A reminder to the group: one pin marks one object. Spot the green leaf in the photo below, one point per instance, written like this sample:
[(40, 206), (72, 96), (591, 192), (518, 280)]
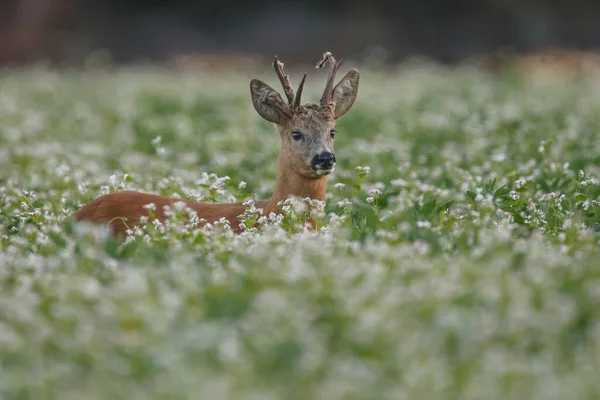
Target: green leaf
[(428, 207), (502, 191)]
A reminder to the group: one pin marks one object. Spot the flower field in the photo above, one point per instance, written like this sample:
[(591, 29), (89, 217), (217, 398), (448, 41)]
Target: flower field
[(460, 256)]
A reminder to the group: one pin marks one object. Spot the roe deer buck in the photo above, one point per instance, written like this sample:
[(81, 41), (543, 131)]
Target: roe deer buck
[(307, 134)]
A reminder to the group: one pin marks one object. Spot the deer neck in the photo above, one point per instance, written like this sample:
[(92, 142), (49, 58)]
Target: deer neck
[(289, 183)]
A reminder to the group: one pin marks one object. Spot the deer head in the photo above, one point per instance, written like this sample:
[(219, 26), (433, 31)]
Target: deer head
[(307, 130)]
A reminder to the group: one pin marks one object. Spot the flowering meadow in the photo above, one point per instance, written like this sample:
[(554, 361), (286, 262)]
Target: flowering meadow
[(459, 259)]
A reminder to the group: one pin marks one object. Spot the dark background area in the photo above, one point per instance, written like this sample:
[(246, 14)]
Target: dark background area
[(449, 31)]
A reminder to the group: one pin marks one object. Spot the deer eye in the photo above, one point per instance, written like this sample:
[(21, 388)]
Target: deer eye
[(296, 135), (332, 133)]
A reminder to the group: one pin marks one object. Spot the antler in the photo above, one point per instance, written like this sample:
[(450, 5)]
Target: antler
[(293, 100), (299, 93), (328, 92), (284, 79)]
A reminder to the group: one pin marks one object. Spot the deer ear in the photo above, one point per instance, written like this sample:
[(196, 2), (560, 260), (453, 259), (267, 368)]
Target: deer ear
[(344, 93), (267, 102)]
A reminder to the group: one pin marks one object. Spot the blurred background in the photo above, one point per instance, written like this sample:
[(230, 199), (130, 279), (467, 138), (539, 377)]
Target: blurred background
[(449, 31)]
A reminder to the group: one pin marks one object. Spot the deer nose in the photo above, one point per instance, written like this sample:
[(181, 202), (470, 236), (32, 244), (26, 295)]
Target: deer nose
[(325, 160)]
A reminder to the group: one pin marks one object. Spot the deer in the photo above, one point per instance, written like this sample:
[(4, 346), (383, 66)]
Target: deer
[(306, 159)]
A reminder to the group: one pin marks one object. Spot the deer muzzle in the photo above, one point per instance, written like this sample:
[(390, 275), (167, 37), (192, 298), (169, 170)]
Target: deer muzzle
[(323, 163)]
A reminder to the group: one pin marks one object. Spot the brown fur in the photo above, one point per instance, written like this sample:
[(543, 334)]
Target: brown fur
[(295, 177)]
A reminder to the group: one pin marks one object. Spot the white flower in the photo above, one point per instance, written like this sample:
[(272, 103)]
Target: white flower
[(363, 169), (179, 205), (519, 183), (398, 182), (344, 203)]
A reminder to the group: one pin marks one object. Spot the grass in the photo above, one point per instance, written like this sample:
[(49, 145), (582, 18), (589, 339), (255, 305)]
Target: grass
[(460, 259)]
